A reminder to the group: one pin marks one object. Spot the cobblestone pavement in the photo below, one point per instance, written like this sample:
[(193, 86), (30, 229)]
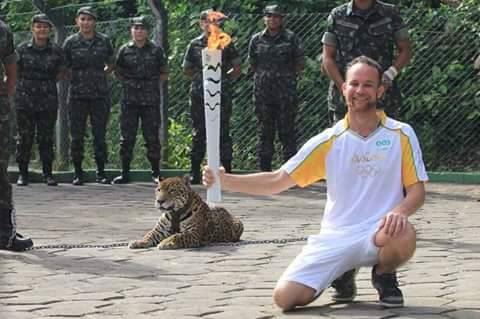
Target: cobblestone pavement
[(442, 280)]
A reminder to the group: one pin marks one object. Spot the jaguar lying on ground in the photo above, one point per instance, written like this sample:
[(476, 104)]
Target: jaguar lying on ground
[(186, 221)]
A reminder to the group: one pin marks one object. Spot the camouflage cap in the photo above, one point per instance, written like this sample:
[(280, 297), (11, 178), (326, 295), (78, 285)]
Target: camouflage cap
[(140, 21), (274, 9), (41, 18), (88, 11)]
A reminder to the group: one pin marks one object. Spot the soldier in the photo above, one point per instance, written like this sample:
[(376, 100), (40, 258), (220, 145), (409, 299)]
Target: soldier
[(89, 56), (276, 58), (140, 65), (192, 66), (371, 28), (9, 238), (40, 65)]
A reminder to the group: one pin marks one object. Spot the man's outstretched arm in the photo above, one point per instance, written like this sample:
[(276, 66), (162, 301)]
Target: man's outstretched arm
[(265, 183)]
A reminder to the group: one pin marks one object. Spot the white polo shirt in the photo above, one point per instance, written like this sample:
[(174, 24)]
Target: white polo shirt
[(365, 176)]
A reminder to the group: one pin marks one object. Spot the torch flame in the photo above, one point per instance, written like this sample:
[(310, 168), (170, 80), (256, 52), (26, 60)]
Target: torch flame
[(216, 38)]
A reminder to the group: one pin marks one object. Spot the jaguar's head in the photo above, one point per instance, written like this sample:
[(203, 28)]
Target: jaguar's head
[(172, 194)]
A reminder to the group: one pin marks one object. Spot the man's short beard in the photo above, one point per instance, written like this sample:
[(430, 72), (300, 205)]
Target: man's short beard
[(370, 104)]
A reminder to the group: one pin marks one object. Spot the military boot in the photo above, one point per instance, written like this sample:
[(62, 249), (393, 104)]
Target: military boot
[(78, 177), (195, 173), (18, 243), (155, 171), (23, 174), (47, 174), (101, 177), (124, 177), (7, 240)]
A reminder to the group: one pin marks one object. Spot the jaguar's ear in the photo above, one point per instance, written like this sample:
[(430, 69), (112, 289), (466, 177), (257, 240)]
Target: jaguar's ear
[(160, 181)]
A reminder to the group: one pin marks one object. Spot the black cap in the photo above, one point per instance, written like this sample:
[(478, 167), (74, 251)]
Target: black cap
[(87, 10), (274, 9), (42, 18), (140, 21)]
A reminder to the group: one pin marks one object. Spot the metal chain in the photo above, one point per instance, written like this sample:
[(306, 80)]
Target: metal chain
[(261, 242), (72, 246), (115, 245)]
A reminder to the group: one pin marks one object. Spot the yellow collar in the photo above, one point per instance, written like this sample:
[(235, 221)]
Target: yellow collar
[(380, 114)]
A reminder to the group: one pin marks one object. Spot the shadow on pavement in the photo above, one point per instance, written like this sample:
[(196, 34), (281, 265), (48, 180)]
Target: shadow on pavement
[(84, 264), (372, 310)]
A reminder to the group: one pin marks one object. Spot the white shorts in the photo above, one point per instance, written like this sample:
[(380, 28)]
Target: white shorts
[(329, 254)]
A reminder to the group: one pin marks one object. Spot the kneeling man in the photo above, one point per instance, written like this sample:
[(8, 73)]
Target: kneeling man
[(375, 180)]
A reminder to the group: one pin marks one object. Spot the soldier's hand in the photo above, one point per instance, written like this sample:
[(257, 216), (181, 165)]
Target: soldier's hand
[(388, 76), (386, 82)]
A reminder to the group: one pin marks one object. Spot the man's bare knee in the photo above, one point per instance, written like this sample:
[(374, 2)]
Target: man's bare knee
[(289, 295), (398, 250)]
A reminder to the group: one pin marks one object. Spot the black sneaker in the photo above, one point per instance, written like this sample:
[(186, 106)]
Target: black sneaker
[(19, 243), (389, 295), (345, 287)]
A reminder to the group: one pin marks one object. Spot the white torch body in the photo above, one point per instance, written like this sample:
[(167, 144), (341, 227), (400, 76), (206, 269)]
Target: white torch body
[(212, 92)]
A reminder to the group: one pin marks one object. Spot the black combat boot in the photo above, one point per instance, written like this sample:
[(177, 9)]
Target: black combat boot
[(47, 174), (7, 240), (124, 177), (78, 178), (227, 165), (18, 243), (23, 174), (195, 173), (101, 177), (155, 171)]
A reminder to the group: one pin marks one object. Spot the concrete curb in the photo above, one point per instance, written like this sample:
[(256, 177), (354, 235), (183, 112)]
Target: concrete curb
[(35, 176)]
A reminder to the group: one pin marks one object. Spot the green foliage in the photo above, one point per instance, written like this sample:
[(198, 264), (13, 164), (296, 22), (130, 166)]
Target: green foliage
[(440, 87), (180, 141)]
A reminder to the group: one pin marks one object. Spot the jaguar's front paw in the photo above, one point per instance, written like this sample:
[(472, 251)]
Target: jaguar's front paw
[(168, 243), (138, 244)]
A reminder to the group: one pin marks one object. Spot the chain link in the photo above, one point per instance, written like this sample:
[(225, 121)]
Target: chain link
[(124, 244)]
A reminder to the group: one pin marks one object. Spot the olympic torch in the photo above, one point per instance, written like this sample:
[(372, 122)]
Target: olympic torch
[(212, 92)]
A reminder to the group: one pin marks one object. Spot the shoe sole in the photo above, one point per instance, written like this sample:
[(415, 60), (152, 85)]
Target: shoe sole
[(344, 300), (390, 305)]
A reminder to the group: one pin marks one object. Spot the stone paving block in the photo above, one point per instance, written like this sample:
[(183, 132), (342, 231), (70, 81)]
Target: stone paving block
[(464, 314)]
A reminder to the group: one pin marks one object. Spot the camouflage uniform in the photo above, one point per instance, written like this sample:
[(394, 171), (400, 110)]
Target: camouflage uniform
[(275, 60), (139, 70), (88, 93), (193, 60), (9, 239), (371, 32), (36, 100)]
